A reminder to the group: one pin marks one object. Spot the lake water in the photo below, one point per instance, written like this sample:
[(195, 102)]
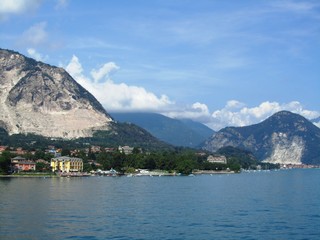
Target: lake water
[(260, 205)]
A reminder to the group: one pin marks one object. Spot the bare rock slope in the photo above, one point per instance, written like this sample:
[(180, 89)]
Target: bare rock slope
[(45, 100), (283, 138)]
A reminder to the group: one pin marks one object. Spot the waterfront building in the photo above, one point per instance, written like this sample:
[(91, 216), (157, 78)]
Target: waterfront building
[(67, 164), (21, 164)]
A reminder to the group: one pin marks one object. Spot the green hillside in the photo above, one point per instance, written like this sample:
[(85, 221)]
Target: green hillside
[(186, 133)]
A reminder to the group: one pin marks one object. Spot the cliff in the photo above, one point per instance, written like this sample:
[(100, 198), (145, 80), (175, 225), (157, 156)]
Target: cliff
[(45, 100)]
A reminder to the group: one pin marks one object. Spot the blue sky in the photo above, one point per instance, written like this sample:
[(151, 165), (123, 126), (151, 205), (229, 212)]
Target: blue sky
[(219, 62)]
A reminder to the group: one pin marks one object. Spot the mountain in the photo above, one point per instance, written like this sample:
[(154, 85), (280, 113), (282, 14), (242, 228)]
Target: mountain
[(284, 137), (184, 132), (42, 99), (198, 127), (42, 103), (119, 134), (316, 119)]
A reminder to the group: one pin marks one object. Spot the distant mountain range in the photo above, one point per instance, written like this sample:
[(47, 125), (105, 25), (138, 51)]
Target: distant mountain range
[(42, 103), (183, 132), (284, 137), (316, 121)]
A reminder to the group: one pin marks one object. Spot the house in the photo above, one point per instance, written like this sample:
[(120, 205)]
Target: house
[(3, 148), (20, 151), (95, 149), (217, 159), (110, 150), (67, 164), (21, 164), (125, 149)]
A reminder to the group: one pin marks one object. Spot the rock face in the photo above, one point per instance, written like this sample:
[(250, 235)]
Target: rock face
[(45, 100), (283, 138), (286, 150)]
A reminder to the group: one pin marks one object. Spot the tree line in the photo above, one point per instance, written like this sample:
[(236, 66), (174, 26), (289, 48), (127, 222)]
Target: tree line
[(180, 160)]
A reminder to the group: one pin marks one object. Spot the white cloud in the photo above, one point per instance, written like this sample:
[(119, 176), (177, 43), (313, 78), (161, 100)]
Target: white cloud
[(9, 7), (113, 96), (234, 104), (104, 71), (35, 35), (17, 6), (36, 55), (200, 107), (317, 124), (236, 113), (197, 112), (241, 115), (122, 97), (74, 67)]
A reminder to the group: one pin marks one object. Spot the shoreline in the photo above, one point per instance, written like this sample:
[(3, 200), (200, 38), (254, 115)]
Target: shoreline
[(205, 172), (29, 176), (151, 173), (137, 174)]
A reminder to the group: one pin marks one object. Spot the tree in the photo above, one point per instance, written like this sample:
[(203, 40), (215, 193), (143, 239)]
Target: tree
[(39, 154), (5, 162), (233, 164), (42, 167), (150, 162), (65, 152), (118, 160), (186, 163), (91, 155), (136, 150), (48, 157), (87, 167), (81, 154), (185, 166)]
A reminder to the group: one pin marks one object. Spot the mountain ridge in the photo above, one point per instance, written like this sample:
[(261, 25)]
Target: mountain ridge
[(178, 132), (284, 137)]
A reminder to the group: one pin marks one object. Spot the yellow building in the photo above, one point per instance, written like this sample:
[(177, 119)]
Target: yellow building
[(67, 164)]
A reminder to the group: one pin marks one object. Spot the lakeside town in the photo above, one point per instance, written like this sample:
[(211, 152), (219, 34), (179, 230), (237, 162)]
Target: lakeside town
[(123, 160), (53, 161)]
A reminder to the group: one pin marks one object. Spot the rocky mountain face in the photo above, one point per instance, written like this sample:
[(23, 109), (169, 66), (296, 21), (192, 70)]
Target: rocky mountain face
[(283, 138), (45, 100)]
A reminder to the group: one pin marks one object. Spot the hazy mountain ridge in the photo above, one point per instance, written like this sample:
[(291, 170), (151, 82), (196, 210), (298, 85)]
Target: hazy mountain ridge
[(177, 132), (41, 99), (44, 100), (316, 121), (284, 137)]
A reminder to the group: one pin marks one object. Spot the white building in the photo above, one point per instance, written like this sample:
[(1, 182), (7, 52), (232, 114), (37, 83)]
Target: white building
[(217, 159), (126, 149)]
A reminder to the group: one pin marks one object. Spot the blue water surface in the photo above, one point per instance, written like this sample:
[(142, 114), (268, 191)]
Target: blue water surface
[(258, 205)]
